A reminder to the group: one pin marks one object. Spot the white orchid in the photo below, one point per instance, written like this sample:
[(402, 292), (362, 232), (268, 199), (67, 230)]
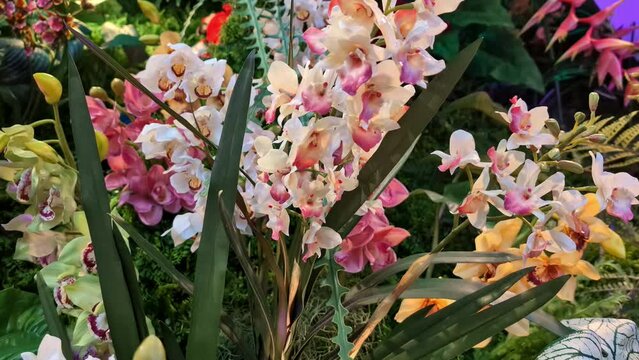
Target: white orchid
[(462, 152), (616, 192)]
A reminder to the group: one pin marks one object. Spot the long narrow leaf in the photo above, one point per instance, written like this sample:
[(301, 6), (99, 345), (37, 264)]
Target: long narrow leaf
[(120, 70), (116, 297), (56, 328), (438, 322), (493, 320), (238, 249), (212, 255), (397, 143), (131, 278), (155, 255)]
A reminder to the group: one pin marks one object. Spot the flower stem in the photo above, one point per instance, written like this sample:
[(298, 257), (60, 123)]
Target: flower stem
[(59, 131), (450, 237), (35, 124), (470, 176), (408, 6)]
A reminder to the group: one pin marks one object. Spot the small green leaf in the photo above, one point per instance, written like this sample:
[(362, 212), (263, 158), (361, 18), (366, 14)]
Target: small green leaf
[(335, 301)]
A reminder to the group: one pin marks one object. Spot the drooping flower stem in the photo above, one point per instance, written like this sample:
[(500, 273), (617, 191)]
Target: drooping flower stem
[(35, 124), (408, 6), (59, 131)]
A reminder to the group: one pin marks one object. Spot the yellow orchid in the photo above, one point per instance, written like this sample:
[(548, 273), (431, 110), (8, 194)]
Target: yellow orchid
[(500, 238), (411, 306), (593, 229), (549, 267)]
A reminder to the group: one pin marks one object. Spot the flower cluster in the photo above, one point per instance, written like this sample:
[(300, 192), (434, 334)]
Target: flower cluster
[(29, 18), (145, 187), (37, 178), (322, 121), (529, 202), (612, 50)]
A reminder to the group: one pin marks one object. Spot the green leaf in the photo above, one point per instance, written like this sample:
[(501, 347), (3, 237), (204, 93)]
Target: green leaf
[(251, 278), (22, 323), (335, 301), (54, 323), (421, 289), (155, 255), (124, 40), (505, 59), (479, 12), (478, 101), (212, 255), (94, 196), (397, 143), (403, 335), (496, 318)]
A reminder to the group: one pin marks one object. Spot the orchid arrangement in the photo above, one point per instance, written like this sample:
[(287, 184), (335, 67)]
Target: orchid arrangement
[(610, 47), (292, 172)]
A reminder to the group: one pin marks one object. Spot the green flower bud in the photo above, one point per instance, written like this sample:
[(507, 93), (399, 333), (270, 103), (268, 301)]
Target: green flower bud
[(43, 150), (554, 154), (150, 11), (150, 349), (103, 144), (553, 127), (150, 39), (570, 166), (593, 101), (597, 138), (49, 86), (98, 92), (579, 117), (117, 86)]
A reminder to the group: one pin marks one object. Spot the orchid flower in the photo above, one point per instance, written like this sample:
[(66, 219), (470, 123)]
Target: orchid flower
[(462, 152), (504, 162), (523, 196), (476, 205), (616, 192), (527, 127), (50, 349), (319, 237)]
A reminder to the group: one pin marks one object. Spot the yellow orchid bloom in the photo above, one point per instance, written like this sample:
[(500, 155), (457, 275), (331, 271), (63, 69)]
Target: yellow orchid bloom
[(498, 239), (549, 267), (411, 306), (593, 229)]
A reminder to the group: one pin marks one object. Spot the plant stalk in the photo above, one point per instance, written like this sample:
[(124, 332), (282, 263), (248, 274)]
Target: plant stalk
[(59, 131)]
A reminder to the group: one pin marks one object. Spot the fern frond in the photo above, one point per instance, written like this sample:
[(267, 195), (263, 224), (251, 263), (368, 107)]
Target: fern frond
[(621, 148), (249, 9), (335, 301)]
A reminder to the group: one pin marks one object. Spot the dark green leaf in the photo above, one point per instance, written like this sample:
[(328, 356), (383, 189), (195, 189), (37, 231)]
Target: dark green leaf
[(94, 196), (155, 255), (56, 328), (397, 143), (212, 255), (479, 12), (478, 101), (335, 301), (505, 59), (22, 323), (124, 41)]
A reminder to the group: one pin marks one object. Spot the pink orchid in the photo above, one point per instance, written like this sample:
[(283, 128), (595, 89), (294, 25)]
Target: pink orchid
[(527, 126), (137, 103), (617, 192), (504, 162), (550, 240), (150, 193), (524, 196), (462, 152), (371, 241), (394, 194)]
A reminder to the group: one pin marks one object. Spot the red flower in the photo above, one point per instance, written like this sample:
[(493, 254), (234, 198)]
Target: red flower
[(214, 28)]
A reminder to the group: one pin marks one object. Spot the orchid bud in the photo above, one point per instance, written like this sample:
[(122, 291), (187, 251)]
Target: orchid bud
[(150, 39), (579, 117), (43, 150), (117, 86), (150, 349), (49, 86), (593, 101), (553, 127), (103, 144), (544, 167), (150, 11), (597, 138), (570, 166), (554, 154), (98, 92), (275, 129)]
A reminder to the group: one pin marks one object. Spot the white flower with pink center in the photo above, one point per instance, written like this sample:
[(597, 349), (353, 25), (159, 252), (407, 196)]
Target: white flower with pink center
[(524, 196), (462, 152), (319, 237), (527, 126), (477, 204), (504, 162), (616, 192), (551, 240)]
